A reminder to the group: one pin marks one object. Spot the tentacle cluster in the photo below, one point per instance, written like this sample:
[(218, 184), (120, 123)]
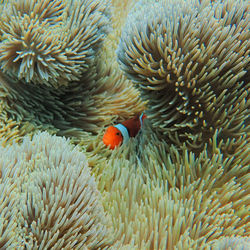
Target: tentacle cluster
[(51, 42), (190, 61)]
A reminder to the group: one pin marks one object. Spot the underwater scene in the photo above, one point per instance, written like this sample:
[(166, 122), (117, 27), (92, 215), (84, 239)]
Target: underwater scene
[(124, 124)]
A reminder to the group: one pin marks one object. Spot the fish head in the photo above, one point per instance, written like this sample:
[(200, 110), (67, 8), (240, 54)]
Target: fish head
[(112, 137)]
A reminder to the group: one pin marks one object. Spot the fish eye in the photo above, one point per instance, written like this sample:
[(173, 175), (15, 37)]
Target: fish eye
[(117, 133)]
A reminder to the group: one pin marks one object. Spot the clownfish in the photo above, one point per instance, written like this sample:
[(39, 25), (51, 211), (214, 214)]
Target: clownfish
[(120, 133)]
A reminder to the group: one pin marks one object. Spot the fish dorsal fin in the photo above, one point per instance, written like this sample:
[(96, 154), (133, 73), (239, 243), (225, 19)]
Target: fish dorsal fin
[(124, 132)]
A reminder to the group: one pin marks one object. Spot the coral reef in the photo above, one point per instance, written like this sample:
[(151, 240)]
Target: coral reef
[(190, 62)]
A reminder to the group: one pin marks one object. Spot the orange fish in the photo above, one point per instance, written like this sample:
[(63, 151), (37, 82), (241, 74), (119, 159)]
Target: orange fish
[(120, 133)]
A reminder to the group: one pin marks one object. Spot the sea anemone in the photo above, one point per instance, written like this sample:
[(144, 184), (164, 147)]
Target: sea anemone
[(76, 107), (51, 42), (190, 61), (161, 198), (148, 193), (8, 213), (58, 201), (234, 243), (70, 111)]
